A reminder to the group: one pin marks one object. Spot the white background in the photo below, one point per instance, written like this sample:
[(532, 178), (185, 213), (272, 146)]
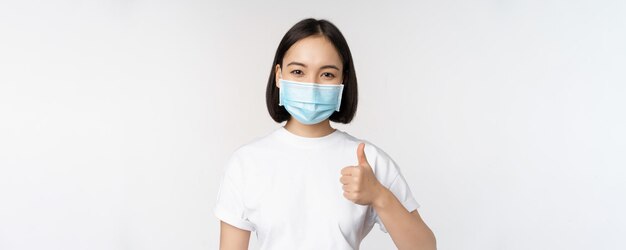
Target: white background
[(507, 118)]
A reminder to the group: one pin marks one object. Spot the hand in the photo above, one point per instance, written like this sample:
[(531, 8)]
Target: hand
[(359, 182)]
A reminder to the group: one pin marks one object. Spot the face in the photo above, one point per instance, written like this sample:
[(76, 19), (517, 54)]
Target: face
[(313, 59)]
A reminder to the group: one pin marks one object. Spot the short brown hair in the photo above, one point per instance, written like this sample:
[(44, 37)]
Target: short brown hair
[(303, 29)]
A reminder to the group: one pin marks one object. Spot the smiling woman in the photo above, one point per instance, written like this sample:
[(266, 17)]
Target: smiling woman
[(298, 186), (323, 67), (314, 51)]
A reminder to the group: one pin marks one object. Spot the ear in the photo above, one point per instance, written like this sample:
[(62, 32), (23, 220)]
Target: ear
[(277, 73)]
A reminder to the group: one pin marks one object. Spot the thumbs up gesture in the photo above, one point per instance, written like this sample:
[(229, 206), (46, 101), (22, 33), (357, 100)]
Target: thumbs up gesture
[(359, 182)]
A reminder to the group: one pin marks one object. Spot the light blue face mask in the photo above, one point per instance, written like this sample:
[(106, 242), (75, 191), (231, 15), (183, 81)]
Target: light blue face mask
[(310, 103)]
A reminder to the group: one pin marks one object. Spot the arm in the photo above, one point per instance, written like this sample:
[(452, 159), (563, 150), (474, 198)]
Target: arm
[(232, 238), (360, 185), (407, 230)]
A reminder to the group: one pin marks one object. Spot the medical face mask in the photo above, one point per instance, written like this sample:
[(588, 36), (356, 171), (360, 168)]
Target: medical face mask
[(310, 103)]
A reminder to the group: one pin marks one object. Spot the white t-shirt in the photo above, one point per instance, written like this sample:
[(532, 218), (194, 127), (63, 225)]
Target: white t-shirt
[(286, 189)]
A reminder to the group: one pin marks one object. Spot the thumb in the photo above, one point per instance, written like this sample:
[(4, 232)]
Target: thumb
[(360, 154)]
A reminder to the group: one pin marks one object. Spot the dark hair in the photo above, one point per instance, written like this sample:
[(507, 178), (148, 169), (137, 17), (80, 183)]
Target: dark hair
[(303, 29)]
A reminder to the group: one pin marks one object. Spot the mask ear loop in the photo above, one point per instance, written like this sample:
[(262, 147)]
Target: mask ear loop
[(280, 90)]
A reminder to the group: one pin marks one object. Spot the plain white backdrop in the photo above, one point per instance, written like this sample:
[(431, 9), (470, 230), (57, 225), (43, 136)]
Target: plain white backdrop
[(506, 117)]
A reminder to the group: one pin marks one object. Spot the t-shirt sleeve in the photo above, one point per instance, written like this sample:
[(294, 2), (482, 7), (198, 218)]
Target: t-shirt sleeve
[(230, 207), (392, 178)]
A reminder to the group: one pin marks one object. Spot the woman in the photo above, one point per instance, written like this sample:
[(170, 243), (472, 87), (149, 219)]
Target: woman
[(297, 187)]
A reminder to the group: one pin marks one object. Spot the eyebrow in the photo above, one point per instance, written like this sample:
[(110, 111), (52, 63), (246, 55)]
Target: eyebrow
[(323, 67)]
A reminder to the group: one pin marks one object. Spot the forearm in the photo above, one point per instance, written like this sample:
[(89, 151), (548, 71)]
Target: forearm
[(407, 230)]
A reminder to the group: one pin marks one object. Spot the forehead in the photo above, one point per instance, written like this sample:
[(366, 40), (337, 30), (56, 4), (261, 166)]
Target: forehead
[(313, 50)]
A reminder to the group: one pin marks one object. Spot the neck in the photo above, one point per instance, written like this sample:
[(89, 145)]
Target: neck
[(314, 130)]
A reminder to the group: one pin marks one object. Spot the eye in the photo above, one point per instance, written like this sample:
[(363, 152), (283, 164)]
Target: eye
[(296, 72), (328, 75)]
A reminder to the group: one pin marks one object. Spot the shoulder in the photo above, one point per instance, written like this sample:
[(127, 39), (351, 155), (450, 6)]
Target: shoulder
[(250, 160), (372, 151), (256, 145), (247, 151)]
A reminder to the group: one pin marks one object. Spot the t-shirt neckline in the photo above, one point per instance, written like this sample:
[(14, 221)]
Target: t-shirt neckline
[(298, 140)]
